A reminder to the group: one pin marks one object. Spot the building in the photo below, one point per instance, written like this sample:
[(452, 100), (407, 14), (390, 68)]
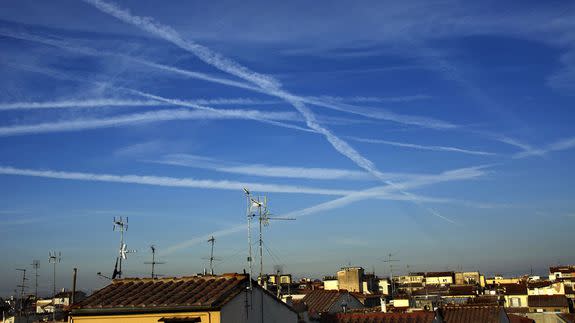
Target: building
[(205, 299), (411, 278), (562, 272), (330, 283), (440, 278), (469, 278), (546, 287), (383, 286), (548, 303), (416, 317), (321, 302), (515, 295), (351, 279), (502, 280)]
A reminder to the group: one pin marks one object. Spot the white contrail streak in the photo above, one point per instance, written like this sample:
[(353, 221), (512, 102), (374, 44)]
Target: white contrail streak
[(422, 147), (381, 114), (142, 118), (266, 83), (100, 103), (563, 144), (170, 181), (379, 192)]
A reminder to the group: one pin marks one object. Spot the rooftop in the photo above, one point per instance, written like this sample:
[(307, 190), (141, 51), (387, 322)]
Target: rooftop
[(147, 294), (416, 317), (547, 301)]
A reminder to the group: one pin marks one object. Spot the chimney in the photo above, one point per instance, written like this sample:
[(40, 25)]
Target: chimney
[(383, 305)]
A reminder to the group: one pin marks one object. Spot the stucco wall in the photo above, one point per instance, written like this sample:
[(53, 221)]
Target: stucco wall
[(274, 311), (206, 317)]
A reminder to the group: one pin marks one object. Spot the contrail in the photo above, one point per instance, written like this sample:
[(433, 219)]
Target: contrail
[(170, 181), (380, 114), (422, 147), (264, 82), (99, 103), (374, 192), (143, 118)]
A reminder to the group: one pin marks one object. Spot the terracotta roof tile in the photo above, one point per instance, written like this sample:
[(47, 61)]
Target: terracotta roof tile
[(320, 301), (547, 301), (416, 317), (472, 314), (186, 292), (519, 319)]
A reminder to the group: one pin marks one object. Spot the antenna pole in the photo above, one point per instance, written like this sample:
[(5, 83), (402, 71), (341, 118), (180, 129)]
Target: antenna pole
[(391, 261), (54, 258), (249, 216), (22, 286), (212, 240), (36, 265), (154, 262), (261, 249)]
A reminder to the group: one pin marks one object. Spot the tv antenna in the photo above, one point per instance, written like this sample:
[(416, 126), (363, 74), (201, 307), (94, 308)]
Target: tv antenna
[(121, 226), (54, 258), (264, 220), (22, 287), (390, 261), (36, 266), (154, 262), (212, 241)]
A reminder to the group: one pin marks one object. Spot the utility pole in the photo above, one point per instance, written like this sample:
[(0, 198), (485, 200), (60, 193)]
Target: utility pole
[(54, 258), (390, 261), (36, 266), (22, 286), (154, 262)]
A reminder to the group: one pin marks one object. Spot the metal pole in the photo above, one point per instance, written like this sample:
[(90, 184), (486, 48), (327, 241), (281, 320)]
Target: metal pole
[(261, 250), (73, 298), (54, 294)]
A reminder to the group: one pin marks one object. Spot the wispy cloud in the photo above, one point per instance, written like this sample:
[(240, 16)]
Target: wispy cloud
[(334, 103), (100, 103), (141, 118), (380, 192), (266, 83), (262, 170), (563, 144), (170, 181), (422, 147)]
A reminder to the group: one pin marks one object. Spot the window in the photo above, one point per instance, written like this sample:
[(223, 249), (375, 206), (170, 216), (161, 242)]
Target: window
[(515, 302)]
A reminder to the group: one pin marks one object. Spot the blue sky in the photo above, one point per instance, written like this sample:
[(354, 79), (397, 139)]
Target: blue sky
[(437, 130)]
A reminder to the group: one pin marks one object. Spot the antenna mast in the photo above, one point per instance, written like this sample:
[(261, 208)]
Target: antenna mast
[(390, 261), (54, 258), (154, 262), (249, 216), (212, 240), (22, 286), (36, 266), (121, 226)]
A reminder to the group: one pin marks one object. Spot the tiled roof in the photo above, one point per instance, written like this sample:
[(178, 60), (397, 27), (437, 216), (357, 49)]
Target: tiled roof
[(133, 294), (562, 269), (484, 300), (320, 301), (472, 314), (547, 301), (539, 284), (440, 274), (462, 290), (416, 317), (568, 317), (513, 289), (519, 319)]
